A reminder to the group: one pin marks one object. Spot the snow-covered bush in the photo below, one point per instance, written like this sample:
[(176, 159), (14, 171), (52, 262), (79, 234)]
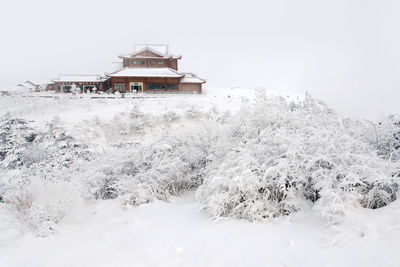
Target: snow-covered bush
[(15, 137), (173, 161), (283, 155), (29, 154), (383, 135), (386, 136), (193, 113), (23, 146), (41, 204)]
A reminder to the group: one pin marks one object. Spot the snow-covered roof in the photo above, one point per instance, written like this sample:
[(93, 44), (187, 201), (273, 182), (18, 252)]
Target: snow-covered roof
[(160, 48), (146, 72), (191, 78), (26, 85), (115, 66), (80, 78), (39, 82)]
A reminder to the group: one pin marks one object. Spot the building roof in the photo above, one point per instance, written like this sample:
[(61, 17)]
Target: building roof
[(191, 78), (39, 82), (160, 50), (146, 72), (26, 85), (80, 78)]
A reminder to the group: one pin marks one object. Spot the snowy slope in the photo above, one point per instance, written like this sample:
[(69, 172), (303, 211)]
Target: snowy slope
[(178, 232)]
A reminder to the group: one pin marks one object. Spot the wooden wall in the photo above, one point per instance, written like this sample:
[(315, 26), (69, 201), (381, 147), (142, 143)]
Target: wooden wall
[(144, 80), (191, 87)]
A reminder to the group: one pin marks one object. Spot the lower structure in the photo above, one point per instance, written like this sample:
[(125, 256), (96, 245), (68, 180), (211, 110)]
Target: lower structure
[(154, 80), (81, 83)]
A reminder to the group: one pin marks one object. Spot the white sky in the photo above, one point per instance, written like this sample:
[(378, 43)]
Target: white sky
[(344, 52)]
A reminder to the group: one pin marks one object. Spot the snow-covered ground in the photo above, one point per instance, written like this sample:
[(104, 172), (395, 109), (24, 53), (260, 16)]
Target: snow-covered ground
[(44, 106), (178, 232)]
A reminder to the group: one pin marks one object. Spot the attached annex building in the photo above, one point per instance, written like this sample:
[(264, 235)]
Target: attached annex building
[(82, 83), (150, 69)]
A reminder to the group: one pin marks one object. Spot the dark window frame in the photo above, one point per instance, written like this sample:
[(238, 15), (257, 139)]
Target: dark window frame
[(156, 86), (66, 88), (172, 86), (119, 87)]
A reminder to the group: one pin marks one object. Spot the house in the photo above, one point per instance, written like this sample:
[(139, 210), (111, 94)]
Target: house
[(81, 83), (26, 87), (42, 85), (152, 69)]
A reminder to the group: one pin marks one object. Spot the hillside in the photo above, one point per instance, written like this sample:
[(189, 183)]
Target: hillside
[(233, 177)]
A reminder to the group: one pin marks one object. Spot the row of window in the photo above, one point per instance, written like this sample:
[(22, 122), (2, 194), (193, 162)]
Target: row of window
[(81, 88), (142, 62), (150, 86), (161, 86), (119, 87)]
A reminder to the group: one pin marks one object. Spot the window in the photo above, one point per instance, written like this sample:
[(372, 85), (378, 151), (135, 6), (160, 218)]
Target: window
[(155, 86), (119, 87), (142, 62), (152, 63), (133, 62), (160, 63), (58, 87), (66, 88), (88, 88), (172, 86)]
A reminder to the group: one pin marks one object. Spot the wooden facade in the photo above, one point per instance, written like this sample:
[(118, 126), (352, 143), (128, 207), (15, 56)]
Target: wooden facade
[(144, 83)]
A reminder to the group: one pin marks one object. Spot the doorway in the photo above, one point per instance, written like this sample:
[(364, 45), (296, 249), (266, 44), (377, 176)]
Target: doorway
[(136, 87)]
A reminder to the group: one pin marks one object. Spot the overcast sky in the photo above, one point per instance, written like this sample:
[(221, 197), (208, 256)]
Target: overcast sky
[(345, 52)]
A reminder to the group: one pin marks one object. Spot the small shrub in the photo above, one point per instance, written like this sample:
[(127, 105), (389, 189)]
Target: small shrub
[(42, 204)]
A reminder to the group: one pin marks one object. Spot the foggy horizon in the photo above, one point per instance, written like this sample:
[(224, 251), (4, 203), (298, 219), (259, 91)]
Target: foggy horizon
[(342, 52)]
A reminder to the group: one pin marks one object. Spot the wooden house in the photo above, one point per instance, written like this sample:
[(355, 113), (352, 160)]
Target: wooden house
[(152, 69)]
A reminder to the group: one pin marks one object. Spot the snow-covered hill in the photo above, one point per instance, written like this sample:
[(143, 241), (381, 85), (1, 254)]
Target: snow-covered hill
[(233, 177)]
